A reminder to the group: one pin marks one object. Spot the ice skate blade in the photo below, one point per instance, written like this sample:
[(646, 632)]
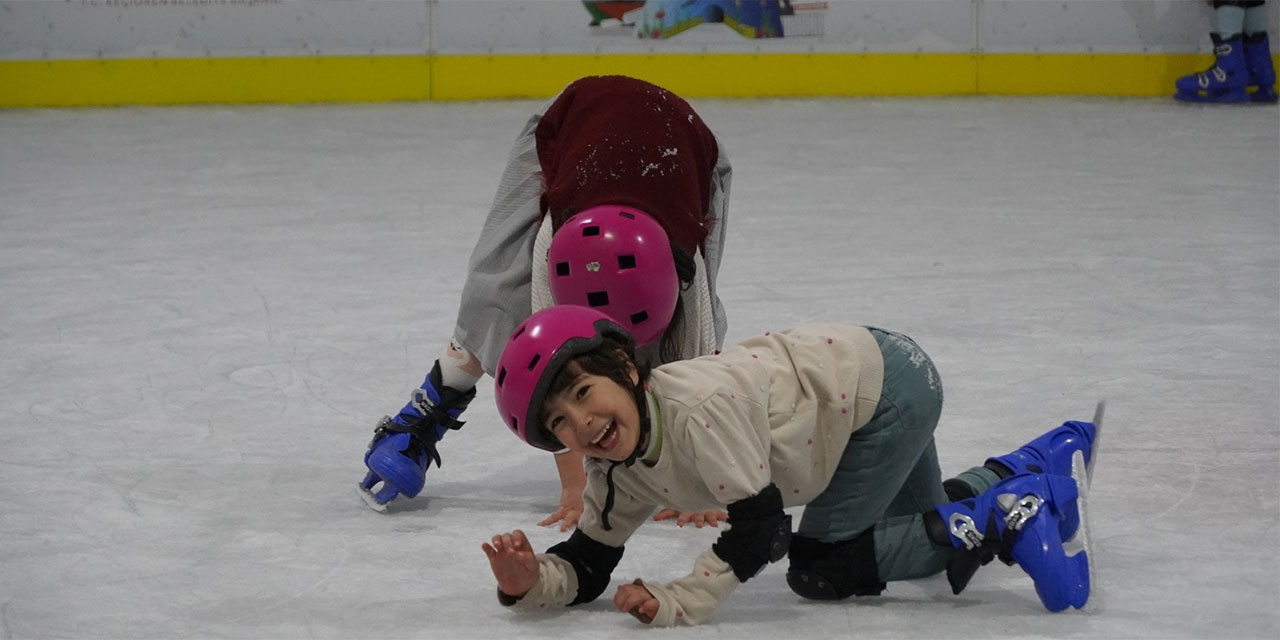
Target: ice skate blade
[(1195, 98), (1082, 542), (1097, 438), (368, 498)]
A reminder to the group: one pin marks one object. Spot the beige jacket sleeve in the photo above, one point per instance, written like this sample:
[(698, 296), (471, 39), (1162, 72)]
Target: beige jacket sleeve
[(693, 598), (556, 587)]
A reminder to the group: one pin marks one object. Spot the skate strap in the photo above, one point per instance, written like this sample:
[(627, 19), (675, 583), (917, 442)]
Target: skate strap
[(443, 413), (420, 434), (642, 403)]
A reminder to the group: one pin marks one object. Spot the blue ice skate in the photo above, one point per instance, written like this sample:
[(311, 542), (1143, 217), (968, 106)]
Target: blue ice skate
[(1017, 521), (1053, 453), (404, 446), (1261, 84), (1225, 81)]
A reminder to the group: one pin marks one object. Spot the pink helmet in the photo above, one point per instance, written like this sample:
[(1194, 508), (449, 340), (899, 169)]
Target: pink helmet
[(617, 260), (535, 352)]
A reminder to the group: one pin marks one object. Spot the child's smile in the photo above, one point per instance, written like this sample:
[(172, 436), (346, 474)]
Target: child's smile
[(608, 437), (595, 416)]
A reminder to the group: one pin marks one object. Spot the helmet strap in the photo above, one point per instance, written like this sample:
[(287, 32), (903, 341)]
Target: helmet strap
[(642, 444)]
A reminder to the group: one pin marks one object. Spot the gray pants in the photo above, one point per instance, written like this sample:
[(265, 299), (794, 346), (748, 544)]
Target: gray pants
[(889, 473)]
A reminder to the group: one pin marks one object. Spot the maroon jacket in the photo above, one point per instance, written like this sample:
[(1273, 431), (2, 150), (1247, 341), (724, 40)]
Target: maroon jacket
[(619, 140)]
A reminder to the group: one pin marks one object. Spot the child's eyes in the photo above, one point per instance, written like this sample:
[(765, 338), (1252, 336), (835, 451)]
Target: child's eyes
[(579, 394)]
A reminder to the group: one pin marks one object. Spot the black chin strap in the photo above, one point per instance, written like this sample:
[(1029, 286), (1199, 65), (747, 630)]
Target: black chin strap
[(642, 404)]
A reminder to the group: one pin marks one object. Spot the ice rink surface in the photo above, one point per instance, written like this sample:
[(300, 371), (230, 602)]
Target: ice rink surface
[(203, 311)]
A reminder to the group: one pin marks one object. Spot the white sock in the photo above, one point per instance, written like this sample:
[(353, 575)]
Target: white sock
[(1230, 20), (1255, 19), (458, 368)]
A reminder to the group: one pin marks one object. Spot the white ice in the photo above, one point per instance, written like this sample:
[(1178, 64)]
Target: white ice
[(203, 311)]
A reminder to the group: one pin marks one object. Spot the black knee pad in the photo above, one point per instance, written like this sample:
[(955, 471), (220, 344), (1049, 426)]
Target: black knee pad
[(805, 551), (834, 571)]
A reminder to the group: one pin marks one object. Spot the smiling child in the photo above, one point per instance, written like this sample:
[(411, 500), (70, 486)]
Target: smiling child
[(837, 418)]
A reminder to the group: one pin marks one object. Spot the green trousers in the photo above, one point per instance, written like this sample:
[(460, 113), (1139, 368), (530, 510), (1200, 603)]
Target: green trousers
[(888, 475)]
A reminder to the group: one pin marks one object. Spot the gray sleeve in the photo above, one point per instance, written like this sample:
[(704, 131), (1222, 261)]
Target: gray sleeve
[(718, 209), (495, 296)]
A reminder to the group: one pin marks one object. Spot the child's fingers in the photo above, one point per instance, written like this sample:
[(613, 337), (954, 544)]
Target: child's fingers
[(627, 604), (489, 551), (510, 541), (640, 605), (649, 609), (501, 542), (665, 514), (636, 600), (513, 541), (646, 618), (519, 541), (570, 521), (553, 518)]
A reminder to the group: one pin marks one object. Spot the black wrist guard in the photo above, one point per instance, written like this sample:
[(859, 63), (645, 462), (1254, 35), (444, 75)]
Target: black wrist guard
[(592, 561), (759, 533)]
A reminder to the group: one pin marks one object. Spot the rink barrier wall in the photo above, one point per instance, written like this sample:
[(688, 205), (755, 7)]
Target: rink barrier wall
[(384, 78), (120, 52)]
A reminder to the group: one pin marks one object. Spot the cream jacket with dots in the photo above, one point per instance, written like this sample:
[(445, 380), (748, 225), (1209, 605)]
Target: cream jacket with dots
[(777, 408)]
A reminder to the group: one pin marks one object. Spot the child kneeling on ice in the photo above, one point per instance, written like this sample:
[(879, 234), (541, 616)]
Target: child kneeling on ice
[(837, 418)]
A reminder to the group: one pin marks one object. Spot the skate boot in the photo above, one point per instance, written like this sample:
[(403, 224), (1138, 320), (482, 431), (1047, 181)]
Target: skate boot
[(1017, 521), (1224, 81), (1262, 74), (403, 446), (1053, 453)]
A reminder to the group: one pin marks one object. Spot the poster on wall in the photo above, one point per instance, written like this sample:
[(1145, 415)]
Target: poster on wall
[(664, 19)]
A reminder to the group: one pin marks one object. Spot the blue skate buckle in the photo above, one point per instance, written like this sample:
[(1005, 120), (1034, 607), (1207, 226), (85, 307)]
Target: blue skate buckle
[(1020, 511)]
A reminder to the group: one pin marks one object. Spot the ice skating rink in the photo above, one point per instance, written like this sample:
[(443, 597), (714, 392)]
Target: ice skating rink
[(203, 311)]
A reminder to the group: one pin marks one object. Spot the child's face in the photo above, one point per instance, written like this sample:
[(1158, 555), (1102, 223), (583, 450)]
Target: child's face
[(595, 416)]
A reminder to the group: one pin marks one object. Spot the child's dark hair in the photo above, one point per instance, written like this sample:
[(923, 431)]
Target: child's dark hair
[(611, 359)]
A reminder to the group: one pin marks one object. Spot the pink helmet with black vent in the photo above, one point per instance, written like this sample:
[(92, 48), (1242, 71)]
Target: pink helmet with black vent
[(535, 353), (617, 260)]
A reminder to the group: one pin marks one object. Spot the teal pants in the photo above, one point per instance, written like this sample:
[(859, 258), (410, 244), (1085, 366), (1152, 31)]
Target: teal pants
[(889, 476)]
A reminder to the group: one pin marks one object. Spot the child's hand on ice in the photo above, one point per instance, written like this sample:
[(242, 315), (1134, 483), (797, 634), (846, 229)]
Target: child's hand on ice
[(513, 562), (567, 514), (711, 517), (636, 600)]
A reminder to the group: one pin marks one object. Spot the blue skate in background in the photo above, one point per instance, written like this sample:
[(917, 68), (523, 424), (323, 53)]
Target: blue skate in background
[(1261, 85), (1018, 521), (1224, 82), (404, 446)]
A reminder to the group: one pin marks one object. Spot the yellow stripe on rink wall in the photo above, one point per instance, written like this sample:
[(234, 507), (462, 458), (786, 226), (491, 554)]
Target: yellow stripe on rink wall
[(70, 83), (1085, 74), (75, 83), (712, 75)]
